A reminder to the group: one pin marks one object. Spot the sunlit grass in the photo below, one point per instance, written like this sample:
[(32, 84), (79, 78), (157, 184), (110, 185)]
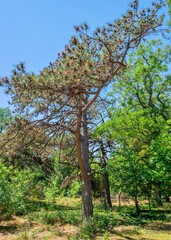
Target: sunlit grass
[(62, 219)]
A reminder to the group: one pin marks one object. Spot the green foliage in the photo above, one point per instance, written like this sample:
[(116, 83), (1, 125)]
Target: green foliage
[(4, 189), (97, 225), (53, 188), (15, 188), (63, 182), (5, 118), (139, 125), (146, 82), (54, 214), (75, 189), (168, 2)]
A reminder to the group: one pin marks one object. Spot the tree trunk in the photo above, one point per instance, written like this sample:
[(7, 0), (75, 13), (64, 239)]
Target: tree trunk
[(136, 201), (107, 198), (137, 207), (119, 198), (106, 186), (83, 160), (149, 201), (87, 204), (158, 197), (167, 198)]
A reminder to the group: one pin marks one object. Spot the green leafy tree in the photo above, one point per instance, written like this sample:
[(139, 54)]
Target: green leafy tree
[(140, 124), (146, 84), (139, 166)]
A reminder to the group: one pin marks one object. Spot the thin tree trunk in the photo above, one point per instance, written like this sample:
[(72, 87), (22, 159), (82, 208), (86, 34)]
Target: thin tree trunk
[(149, 189), (158, 196), (136, 202), (137, 207), (106, 186), (86, 182), (107, 198), (149, 201), (119, 198), (167, 199)]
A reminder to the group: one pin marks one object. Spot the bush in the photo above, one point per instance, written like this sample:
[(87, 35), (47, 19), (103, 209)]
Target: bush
[(15, 188), (4, 189), (97, 225), (53, 189)]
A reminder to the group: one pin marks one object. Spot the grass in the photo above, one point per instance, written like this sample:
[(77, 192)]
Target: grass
[(63, 221)]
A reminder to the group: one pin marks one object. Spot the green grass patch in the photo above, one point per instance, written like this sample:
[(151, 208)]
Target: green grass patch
[(117, 223)]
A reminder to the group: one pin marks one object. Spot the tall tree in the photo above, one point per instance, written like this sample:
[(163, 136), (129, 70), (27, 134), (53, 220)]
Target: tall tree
[(59, 97), (146, 83), (140, 121)]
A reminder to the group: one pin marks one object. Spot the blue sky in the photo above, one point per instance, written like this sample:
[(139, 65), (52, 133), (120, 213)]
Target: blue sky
[(34, 31)]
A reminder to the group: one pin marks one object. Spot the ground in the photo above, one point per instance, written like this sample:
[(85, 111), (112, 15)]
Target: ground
[(63, 222)]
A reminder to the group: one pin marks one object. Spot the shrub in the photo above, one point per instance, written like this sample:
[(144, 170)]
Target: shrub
[(97, 225), (15, 188)]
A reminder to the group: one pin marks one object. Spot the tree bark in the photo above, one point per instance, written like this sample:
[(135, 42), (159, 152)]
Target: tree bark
[(106, 185), (136, 201), (83, 160), (149, 202), (167, 199), (158, 197), (119, 198), (107, 198), (87, 204), (137, 206)]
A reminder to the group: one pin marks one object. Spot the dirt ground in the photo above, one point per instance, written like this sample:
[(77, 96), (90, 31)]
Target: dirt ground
[(19, 228)]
